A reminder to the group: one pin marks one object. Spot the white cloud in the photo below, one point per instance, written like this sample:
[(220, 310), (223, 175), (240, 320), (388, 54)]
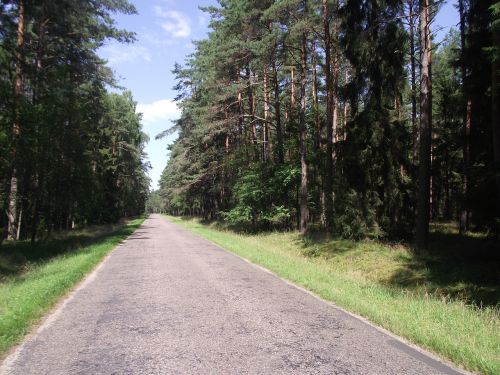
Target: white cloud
[(116, 54), (155, 39), (160, 12), (177, 24), (160, 110)]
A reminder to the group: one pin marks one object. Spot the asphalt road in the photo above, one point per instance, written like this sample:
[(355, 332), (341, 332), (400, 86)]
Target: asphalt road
[(168, 302)]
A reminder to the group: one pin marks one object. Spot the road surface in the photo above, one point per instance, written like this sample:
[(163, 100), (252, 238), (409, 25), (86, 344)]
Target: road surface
[(169, 302)]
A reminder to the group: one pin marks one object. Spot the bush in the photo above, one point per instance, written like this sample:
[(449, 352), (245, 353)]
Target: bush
[(258, 197)]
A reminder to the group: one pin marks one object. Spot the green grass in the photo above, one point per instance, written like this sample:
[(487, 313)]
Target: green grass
[(34, 278), (443, 301)]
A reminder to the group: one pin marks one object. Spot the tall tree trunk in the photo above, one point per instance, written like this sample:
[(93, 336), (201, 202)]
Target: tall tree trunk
[(335, 70), (330, 109), (291, 116), (19, 223), (241, 125), (226, 140), (315, 100), (251, 105), (265, 132), (495, 115), (345, 108), (411, 10), (292, 94), (240, 120), (317, 136), (304, 211), (464, 213), (240, 141), (16, 126), (277, 111), (423, 198)]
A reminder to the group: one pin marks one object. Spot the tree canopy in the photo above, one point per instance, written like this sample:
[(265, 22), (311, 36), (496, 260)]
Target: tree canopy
[(71, 152), (304, 113)]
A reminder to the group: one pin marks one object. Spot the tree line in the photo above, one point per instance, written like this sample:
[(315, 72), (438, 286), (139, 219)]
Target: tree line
[(339, 114), (71, 153)]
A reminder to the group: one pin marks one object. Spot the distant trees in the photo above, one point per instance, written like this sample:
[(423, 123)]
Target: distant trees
[(329, 90), (154, 203), (71, 153)]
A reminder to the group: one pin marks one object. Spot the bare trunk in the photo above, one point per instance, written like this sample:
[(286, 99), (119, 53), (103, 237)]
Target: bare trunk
[(265, 133), (251, 105), (331, 70), (304, 211), (12, 209), (334, 116), (464, 213), (495, 116), (16, 126), (226, 141), (19, 223), (411, 10), (447, 211), (242, 127), (423, 199), (277, 111), (314, 91), (329, 115), (241, 141), (346, 107), (317, 135), (240, 119), (293, 95), (291, 116)]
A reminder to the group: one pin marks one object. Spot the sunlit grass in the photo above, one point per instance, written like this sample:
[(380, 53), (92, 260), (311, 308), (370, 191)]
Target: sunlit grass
[(389, 285), (34, 278)]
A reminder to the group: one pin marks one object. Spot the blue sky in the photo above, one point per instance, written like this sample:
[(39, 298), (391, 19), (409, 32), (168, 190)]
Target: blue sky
[(165, 30)]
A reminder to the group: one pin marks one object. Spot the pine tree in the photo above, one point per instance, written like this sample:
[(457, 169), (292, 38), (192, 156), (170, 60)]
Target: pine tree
[(55, 147), (329, 90), (16, 126), (423, 206)]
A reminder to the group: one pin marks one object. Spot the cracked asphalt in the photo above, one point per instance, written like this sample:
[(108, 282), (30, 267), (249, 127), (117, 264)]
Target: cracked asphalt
[(169, 302)]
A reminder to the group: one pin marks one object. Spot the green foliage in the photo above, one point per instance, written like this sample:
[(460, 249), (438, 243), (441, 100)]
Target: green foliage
[(256, 196), (238, 156), (375, 153), (154, 203), (122, 158), (240, 216), (448, 120), (79, 156), (353, 219)]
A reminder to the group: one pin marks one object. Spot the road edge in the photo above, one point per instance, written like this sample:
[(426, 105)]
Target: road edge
[(53, 313), (432, 356)]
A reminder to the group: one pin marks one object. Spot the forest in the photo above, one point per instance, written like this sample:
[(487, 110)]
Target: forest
[(71, 144), (349, 147), (341, 116)]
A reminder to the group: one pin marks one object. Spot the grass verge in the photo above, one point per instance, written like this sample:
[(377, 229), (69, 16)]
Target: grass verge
[(34, 278), (386, 284)]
